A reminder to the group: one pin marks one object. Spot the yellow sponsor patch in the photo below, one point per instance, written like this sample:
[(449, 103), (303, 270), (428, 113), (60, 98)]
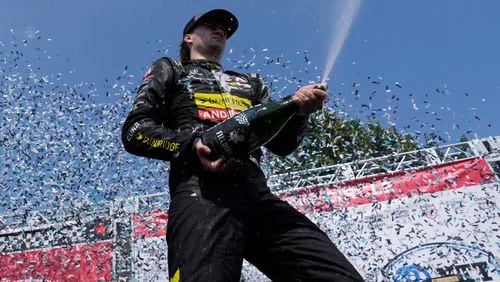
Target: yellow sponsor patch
[(221, 101), (158, 143), (177, 276)]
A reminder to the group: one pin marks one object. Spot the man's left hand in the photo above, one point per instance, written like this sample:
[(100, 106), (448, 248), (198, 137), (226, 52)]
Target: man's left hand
[(310, 98)]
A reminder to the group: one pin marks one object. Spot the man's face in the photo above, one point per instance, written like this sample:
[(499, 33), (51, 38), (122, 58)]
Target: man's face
[(207, 37)]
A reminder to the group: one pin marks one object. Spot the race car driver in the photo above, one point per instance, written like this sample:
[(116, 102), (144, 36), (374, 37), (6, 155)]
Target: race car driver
[(222, 211)]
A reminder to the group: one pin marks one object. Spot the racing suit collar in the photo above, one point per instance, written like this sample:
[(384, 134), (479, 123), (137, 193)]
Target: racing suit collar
[(210, 65)]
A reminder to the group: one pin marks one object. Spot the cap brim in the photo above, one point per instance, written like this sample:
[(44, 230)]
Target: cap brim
[(222, 17)]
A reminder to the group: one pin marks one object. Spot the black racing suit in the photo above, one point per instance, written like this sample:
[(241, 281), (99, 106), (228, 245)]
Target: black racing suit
[(216, 220)]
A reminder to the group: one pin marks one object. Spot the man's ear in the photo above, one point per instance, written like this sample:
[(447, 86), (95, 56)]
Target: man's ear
[(188, 38)]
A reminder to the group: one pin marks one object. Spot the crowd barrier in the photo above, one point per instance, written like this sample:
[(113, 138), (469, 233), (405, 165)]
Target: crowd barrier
[(433, 218)]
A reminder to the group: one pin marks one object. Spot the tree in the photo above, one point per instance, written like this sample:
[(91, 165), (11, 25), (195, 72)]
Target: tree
[(331, 140)]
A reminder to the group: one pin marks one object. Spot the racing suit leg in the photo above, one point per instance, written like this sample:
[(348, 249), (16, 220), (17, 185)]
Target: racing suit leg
[(205, 231), (287, 246)]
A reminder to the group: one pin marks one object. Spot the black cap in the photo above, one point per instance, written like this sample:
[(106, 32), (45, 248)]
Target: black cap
[(220, 16)]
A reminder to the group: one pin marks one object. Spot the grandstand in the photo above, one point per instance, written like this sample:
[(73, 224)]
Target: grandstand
[(428, 215)]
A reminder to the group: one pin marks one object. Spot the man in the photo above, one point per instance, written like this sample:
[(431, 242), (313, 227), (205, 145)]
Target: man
[(221, 210)]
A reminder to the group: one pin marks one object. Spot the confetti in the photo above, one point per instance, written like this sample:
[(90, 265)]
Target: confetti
[(61, 147)]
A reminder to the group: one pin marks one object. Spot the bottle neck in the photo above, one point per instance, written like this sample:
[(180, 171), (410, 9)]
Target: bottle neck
[(290, 103)]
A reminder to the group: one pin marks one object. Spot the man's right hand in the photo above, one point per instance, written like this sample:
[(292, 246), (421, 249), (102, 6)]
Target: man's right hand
[(221, 165)]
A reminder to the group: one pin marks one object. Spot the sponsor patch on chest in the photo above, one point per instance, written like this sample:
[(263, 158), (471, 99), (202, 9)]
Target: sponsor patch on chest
[(218, 107)]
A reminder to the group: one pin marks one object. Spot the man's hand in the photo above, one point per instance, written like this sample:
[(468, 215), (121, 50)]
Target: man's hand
[(310, 98), (220, 165)]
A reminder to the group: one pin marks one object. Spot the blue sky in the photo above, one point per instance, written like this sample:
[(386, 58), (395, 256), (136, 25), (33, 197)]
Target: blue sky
[(448, 45), (70, 69)]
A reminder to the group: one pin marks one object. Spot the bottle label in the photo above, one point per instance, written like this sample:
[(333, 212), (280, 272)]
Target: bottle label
[(248, 130), (242, 119), (223, 143), (229, 138)]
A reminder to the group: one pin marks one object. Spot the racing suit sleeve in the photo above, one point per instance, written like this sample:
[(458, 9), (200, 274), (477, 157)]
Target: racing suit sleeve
[(145, 132), (290, 136)]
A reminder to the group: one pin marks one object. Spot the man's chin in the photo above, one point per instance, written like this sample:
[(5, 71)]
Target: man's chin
[(217, 48)]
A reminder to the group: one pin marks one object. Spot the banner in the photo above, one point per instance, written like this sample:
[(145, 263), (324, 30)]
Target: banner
[(431, 224), (78, 250), (90, 262)]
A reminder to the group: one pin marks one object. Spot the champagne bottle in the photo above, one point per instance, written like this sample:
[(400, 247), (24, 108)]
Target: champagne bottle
[(245, 132)]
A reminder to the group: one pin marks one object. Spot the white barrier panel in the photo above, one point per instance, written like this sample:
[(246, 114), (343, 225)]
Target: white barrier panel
[(428, 224), (411, 226), (421, 225)]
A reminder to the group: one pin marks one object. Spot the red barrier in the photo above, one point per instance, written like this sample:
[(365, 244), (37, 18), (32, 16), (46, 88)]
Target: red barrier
[(72, 263), (150, 224), (387, 187)]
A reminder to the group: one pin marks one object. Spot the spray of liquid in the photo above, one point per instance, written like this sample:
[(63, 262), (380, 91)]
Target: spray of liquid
[(346, 12)]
